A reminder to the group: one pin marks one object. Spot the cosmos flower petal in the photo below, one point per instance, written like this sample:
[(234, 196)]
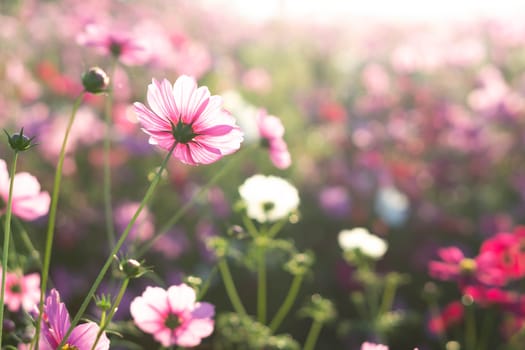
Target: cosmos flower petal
[(161, 100), (183, 90), (84, 335), (179, 297), (149, 119)]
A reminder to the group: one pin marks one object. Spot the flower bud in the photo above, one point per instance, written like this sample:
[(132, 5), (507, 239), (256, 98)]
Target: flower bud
[(132, 268), (95, 80), (19, 142)]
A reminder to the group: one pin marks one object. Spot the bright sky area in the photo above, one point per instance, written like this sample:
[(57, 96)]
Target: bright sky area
[(395, 10)]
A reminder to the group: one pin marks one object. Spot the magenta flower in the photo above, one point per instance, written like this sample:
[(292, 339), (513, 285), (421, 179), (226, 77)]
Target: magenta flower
[(271, 130), (21, 291), (187, 116), (466, 271), (116, 43), (173, 316), (28, 202), (55, 323)]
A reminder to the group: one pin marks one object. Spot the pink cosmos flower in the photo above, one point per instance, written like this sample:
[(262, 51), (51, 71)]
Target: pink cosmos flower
[(28, 202), (55, 324), (112, 42), (466, 271), (373, 346), (173, 316), (187, 116), (271, 130), (22, 291)]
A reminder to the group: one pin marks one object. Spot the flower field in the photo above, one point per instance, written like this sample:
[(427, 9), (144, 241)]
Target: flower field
[(173, 176)]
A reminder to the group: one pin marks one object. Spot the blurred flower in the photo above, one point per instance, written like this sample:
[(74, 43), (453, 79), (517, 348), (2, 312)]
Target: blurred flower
[(173, 316), (455, 266), (189, 118), (507, 250), (335, 201), (143, 228), (116, 43), (244, 113), (373, 346), (55, 323), (452, 314), (361, 239), (22, 291), (268, 198), (257, 79), (392, 206), (28, 202), (271, 130)]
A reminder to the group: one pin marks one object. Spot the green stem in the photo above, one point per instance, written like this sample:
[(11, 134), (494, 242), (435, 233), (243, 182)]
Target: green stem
[(470, 328), (22, 233), (388, 296), (104, 323), (108, 211), (261, 284), (250, 226), (486, 330), (230, 287), (206, 284), (287, 304), (52, 217), (313, 334), (7, 236), (274, 230), (180, 213), (109, 260)]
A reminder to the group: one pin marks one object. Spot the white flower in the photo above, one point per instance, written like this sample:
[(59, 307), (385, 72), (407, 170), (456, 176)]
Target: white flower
[(360, 238), (268, 198)]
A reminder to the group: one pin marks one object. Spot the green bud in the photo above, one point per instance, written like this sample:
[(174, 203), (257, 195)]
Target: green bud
[(300, 263), (103, 302), (319, 309), (19, 142), (95, 80), (132, 268)]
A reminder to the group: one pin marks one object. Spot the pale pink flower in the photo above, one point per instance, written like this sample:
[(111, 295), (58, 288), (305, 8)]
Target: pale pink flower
[(21, 291), (119, 44), (271, 130), (373, 346), (190, 118), (55, 324), (29, 203), (173, 316)]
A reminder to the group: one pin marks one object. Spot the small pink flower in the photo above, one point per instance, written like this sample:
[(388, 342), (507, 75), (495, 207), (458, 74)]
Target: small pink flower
[(173, 316), (28, 202), (55, 324), (116, 43), (373, 346), (187, 116), (22, 291), (271, 130)]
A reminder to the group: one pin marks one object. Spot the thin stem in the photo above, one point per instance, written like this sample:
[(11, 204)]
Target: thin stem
[(274, 230), (287, 303), (7, 236), (207, 282), (108, 210), (261, 284), (313, 334), (470, 328), (52, 217), (388, 296), (486, 331), (109, 260), (230, 287), (22, 233), (104, 323), (180, 213), (250, 226)]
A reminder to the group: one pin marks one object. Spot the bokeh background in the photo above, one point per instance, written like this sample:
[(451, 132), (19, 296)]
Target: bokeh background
[(404, 117)]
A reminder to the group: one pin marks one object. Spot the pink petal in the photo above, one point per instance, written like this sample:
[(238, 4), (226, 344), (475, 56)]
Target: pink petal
[(200, 328), (83, 336), (149, 310), (149, 120), (161, 100), (31, 208), (183, 90), (181, 297)]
